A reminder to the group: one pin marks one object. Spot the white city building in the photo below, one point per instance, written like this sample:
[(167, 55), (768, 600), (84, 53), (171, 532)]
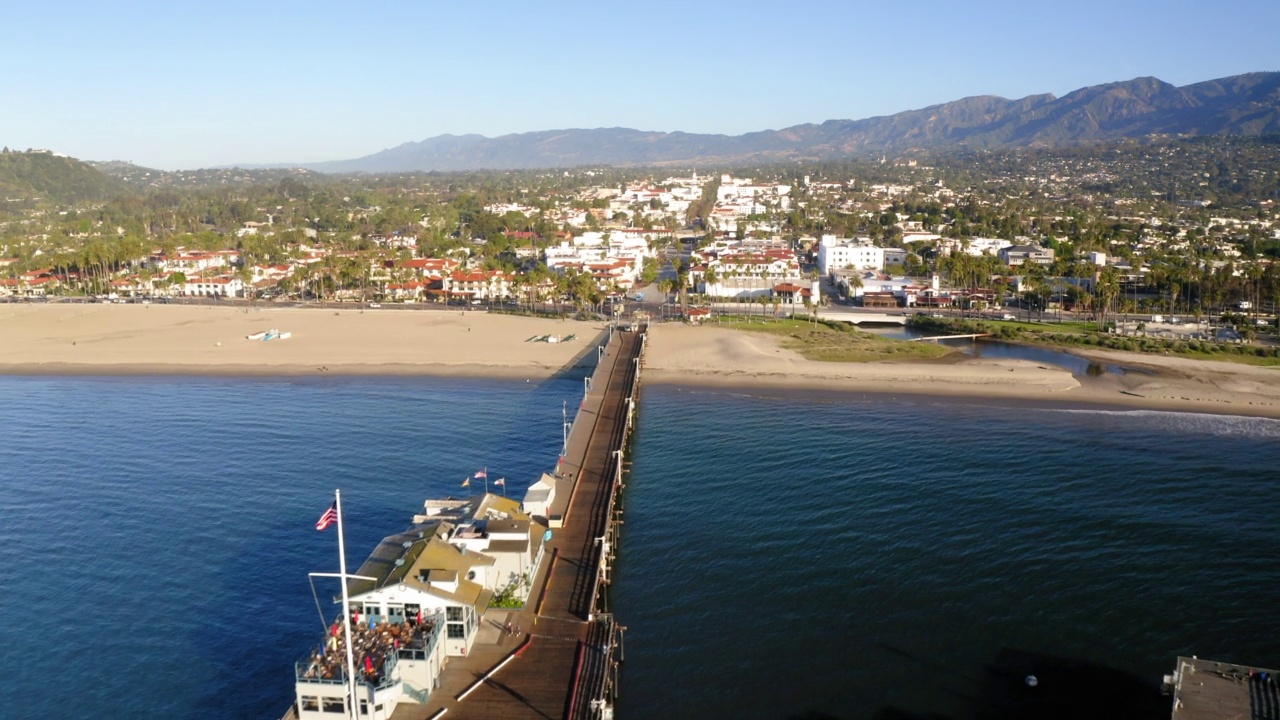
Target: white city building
[(838, 253)]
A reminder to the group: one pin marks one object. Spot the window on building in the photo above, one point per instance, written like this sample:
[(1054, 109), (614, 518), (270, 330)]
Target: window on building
[(332, 705), (456, 631), (309, 703), (453, 614), (411, 610), (364, 707)]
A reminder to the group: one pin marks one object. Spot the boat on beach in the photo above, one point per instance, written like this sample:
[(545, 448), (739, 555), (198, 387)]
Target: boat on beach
[(272, 334)]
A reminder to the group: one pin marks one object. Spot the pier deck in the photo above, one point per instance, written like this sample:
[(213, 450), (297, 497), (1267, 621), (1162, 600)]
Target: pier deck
[(561, 656), (1209, 690)]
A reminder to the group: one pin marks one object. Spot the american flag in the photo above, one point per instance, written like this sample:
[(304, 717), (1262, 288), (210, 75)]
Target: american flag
[(329, 517), (482, 474), (500, 481)]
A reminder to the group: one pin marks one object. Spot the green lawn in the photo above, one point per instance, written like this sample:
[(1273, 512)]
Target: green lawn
[(839, 342), (1084, 336)]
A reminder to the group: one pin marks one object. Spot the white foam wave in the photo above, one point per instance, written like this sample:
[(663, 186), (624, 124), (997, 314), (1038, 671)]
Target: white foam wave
[(1186, 422)]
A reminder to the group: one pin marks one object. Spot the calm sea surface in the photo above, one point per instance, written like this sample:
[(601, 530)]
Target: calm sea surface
[(782, 557)]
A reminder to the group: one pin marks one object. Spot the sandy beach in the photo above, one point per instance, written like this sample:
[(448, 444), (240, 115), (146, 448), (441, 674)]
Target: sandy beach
[(180, 339), (169, 339), (680, 354)]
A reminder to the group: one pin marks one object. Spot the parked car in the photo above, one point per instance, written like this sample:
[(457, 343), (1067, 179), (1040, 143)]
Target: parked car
[(1008, 316)]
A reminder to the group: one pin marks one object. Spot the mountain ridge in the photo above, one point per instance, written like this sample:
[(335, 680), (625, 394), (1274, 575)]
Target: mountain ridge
[(1247, 104)]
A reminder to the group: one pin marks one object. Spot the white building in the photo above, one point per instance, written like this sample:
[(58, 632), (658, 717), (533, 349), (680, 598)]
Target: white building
[(1015, 255), (976, 247), (220, 286), (615, 258), (835, 253), (499, 528)]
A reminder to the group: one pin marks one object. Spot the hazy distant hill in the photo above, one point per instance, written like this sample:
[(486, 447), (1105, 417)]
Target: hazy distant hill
[(143, 179), (41, 174), (1244, 105)]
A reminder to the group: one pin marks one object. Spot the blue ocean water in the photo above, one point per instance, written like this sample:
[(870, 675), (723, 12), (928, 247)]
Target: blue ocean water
[(858, 558), (157, 532), (780, 555)]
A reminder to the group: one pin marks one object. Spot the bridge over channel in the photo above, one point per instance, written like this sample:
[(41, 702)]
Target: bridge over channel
[(861, 318)]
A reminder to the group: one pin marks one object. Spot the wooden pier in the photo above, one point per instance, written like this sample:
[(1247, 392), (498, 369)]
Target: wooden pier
[(563, 662)]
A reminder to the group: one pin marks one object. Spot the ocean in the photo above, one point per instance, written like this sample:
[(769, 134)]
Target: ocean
[(783, 556)]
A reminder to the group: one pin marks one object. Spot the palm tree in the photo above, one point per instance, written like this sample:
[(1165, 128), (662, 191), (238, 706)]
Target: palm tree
[(855, 283), (709, 280)]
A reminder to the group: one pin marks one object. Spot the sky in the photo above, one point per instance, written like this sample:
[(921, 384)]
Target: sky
[(181, 85)]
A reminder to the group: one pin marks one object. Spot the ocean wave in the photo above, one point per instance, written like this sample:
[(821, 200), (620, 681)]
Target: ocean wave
[(1188, 422)]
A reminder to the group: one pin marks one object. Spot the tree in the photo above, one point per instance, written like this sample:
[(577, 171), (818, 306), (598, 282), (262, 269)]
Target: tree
[(710, 280), (855, 283)]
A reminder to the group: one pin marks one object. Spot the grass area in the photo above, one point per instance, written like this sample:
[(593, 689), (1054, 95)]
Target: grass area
[(1085, 336), (1065, 327), (838, 342)]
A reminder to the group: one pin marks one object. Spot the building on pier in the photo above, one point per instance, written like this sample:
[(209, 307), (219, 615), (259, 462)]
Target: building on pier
[(419, 601)]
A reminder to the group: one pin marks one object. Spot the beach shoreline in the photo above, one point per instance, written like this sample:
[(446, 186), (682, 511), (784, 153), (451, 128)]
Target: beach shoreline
[(176, 340), (1094, 402), (741, 361)]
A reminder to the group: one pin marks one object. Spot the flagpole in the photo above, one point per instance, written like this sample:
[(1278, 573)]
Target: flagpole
[(346, 610), (486, 479)]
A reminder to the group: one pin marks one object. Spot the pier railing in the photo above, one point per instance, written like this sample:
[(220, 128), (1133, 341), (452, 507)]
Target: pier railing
[(599, 655)]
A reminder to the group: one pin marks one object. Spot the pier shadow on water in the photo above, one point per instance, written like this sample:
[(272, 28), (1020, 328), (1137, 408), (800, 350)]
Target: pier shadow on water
[(1065, 689)]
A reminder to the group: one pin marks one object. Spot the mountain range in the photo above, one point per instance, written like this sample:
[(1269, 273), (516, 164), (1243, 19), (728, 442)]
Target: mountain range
[(1140, 108)]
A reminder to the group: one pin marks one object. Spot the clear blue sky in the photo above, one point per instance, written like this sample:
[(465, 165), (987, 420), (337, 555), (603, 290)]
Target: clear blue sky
[(256, 82)]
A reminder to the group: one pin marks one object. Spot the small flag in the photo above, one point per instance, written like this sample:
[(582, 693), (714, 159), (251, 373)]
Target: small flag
[(329, 517), (500, 481), (482, 474), (466, 483)]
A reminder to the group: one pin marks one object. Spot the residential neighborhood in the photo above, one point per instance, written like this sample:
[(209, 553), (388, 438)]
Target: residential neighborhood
[(908, 233)]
